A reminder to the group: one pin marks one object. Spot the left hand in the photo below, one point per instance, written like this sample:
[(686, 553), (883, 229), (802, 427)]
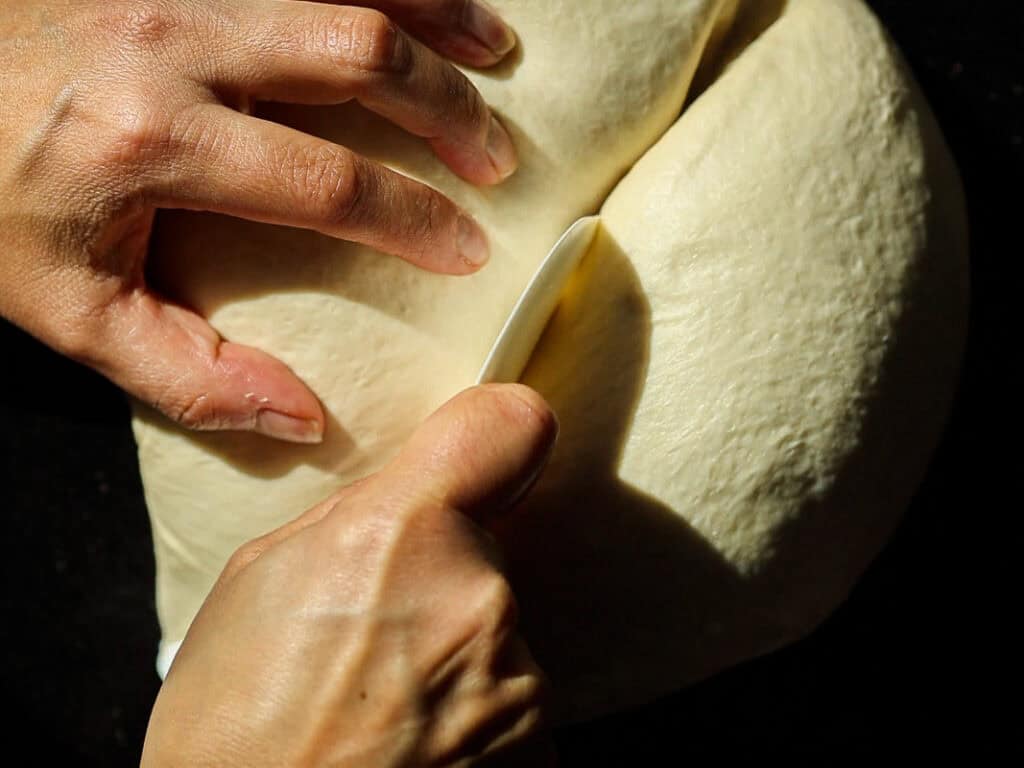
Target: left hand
[(113, 109)]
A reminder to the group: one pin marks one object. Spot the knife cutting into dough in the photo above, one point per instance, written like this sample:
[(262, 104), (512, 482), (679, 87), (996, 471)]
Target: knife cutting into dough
[(521, 332)]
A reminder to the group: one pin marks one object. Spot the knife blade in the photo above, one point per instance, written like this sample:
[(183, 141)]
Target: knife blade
[(515, 343)]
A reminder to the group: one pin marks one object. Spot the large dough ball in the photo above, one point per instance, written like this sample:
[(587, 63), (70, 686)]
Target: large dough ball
[(751, 367)]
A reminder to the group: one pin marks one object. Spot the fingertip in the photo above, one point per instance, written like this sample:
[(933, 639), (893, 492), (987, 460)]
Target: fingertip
[(531, 409), (259, 393), (469, 161), (466, 50), (487, 161), (482, 451), (505, 426), (471, 243), (475, 36), (500, 150), (461, 249), (486, 27)]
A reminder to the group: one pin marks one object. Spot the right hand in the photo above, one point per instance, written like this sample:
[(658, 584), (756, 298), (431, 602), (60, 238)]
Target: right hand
[(112, 109), (377, 628)]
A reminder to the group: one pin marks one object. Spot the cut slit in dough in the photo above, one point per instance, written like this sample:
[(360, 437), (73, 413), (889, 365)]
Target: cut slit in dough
[(751, 367)]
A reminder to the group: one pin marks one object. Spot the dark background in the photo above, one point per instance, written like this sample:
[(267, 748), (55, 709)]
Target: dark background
[(918, 662)]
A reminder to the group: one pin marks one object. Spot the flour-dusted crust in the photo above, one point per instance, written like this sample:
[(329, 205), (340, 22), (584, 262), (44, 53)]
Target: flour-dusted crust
[(751, 367)]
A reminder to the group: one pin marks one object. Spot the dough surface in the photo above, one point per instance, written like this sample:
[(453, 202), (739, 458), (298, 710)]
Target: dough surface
[(751, 367)]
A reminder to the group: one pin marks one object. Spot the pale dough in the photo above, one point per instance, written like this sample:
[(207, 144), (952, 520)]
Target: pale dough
[(751, 367)]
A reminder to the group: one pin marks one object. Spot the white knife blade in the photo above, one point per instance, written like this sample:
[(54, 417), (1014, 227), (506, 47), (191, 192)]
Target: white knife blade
[(512, 349)]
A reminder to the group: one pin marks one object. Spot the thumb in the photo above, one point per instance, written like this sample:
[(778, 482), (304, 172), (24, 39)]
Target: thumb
[(479, 453), (172, 359)]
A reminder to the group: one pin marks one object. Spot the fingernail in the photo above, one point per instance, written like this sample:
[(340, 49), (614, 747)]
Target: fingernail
[(500, 149), (483, 23), (531, 480), (283, 427), (472, 243), (538, 468)]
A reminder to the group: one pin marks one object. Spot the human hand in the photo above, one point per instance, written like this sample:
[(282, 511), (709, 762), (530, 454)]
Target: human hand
[(376, 629), (113, 109)]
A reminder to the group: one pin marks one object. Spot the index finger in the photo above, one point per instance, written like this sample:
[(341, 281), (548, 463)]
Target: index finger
[(255, 169)]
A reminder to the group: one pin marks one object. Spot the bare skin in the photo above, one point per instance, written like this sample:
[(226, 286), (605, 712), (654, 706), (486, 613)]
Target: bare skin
[(376, 629), (113, 109)]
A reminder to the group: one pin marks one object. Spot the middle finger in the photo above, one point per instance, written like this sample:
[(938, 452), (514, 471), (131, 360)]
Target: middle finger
[(310, 53)]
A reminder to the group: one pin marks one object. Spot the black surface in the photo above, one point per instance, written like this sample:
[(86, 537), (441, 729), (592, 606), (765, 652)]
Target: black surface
[(915, 663)]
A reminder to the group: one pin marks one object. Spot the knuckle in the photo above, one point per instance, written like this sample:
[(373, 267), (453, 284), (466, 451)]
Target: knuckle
[(191, 411), (244, 556), (191, 132), (437, 214), (145, 24), (498, 606), (464, 98), (433, 218), (333, 185), (426, 521), (138, 132), (532, 693), (371, 42)]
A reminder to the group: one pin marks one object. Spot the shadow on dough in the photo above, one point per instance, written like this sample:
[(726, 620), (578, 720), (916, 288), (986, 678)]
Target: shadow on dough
[(597, 564)]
